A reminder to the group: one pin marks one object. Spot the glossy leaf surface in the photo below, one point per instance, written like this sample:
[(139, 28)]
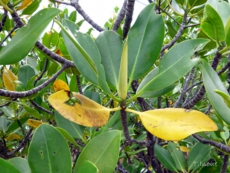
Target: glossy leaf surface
[(212, 24), (211, 83), (86, 112), (28, 35), (141, 55), (170, 67), (175, 123), (104, 147), (44, 153)]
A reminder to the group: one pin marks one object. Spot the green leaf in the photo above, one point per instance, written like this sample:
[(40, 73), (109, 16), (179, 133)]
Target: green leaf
[(32, 7), (50, 39), (198, 155), (143, 49), (48, 151), (110, 46), (7, 167), (193, 3), (25, 38), (73, 16), (25, 73), (225, 96), (4, 124), (32, 111), (165, 158), (21, 164), (75, 130), (211, 83), (170, 68), (88, 166), (212, 24), (222, 8), (102, 151), (177, 156)]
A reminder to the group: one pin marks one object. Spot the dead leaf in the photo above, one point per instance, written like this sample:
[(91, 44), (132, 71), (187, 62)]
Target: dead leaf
[(60, 85), (34, 123), (9, 79), (175, 123), (85, 111), (25, 4), (13, 136)]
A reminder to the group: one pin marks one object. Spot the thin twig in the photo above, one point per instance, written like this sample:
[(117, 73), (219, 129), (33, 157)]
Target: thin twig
[(40, 107), (78, 8), (225, 164), (42, 72), (4, 17)]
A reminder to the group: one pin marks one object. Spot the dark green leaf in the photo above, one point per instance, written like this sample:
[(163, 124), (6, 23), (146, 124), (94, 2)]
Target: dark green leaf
[(25, 38), (211, 83), (198, 155), (32, 7), (143, 49), (165, 158), (25, 73), (194, 3), (170, 68), (102, 151), (48, 151)]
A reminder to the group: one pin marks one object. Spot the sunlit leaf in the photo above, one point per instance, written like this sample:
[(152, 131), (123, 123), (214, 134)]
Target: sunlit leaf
[(184, 149), (34, 123), (175, 123), (84, 111), (123, 73), (25, 4), (212, 24), (9, 79), (60, 85)]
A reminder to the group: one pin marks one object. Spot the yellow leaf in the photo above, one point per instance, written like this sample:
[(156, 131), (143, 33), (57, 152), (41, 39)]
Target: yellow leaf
[(9, 80), (60, 85), (184, 149), (123, 73), (13, 136), (25, 4), (85, 111), (34, 123), (175, 123)]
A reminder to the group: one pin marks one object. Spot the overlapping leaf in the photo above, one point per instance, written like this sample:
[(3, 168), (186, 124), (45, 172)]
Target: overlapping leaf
[(212, 82), (60, 85), (28, 35), (174, 65), (85, 111), (175, 123), (25, 4)]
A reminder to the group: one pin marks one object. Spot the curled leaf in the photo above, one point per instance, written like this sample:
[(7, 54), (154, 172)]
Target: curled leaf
[(60, 85), (83, 111), (175, 123), (9, 79)]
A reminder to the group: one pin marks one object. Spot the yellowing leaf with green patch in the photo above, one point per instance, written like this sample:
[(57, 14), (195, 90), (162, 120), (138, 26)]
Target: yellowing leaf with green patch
[(84, 111), (25, 4), (9, 79), (34, 123), (175, 123), (60, 85)]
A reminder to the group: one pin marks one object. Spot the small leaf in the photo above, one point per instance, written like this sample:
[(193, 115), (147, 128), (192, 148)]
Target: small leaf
[(175, 123), (225, 96), (25, 4), (102, 151), (86, 112), (9, 79), (34, 123), (28, 35), (60, 85), (123, 76), (212, 24), (13, 136)]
